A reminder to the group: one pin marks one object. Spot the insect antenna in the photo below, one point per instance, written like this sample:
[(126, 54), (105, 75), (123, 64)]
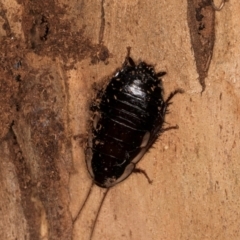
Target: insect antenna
[(84, 203), (98, 212)]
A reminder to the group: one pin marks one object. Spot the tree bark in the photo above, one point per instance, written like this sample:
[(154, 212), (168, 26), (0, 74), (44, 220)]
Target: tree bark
[(52, 54)]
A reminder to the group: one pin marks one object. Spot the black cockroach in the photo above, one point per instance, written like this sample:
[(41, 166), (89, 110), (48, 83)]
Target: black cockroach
[(128, 117)]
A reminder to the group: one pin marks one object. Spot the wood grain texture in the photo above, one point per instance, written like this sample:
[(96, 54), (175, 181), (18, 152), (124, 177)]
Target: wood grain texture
[(65, 47)]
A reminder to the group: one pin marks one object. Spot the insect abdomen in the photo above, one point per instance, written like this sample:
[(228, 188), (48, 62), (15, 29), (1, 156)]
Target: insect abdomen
[(128, 111)]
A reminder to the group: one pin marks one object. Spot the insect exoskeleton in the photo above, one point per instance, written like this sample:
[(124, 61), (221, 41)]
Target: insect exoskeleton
[(126, 122)]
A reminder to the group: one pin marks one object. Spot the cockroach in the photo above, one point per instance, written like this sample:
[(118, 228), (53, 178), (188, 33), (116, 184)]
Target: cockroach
[(128, 117)]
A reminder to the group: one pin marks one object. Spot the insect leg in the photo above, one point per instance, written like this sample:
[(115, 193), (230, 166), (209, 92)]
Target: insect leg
[(169, 128), (128, 59), (160, 74), (138, 170), (172, 94), (158, 128), (167, 103)]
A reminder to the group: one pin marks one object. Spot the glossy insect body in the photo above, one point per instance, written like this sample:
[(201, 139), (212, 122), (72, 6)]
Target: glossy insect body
[(127, 120)]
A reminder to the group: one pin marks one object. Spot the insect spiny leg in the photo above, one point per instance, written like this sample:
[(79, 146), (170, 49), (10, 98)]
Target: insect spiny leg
[(138, 170), (170, 128), (172, 94)]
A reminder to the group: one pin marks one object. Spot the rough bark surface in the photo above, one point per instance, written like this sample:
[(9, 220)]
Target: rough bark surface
[(52, 53), (201, 22)]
